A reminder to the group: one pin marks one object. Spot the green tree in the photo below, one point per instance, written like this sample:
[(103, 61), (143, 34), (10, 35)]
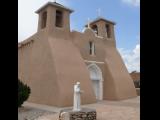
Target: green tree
[(23, 92)]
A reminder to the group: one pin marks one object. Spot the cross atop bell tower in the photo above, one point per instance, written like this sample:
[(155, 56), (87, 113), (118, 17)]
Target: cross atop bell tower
[(54, 17), (99, 12)]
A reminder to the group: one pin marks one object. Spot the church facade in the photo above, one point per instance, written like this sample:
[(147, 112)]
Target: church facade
[(53, 59)]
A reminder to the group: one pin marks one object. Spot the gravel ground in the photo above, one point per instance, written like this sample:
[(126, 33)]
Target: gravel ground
[(106, 110), (28, 113)]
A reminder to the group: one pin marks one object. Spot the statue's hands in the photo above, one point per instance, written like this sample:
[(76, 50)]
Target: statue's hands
[(82, 91)]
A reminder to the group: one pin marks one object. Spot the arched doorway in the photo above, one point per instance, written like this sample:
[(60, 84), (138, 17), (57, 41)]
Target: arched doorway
[(97, 80)]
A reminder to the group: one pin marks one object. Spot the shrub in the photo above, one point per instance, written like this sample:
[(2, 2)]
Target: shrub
[(23, 92)]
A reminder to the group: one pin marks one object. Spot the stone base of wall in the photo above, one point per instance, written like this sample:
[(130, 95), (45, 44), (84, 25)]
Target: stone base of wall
[(84, 114)]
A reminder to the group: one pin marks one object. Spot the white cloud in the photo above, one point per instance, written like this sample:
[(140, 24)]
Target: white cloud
[(131, 58), (132, 2)]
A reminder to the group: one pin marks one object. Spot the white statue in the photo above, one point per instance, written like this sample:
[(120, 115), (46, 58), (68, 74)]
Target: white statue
[(77, 97)]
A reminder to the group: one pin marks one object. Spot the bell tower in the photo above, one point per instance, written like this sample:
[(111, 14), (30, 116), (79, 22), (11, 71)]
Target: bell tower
[(54, 17), (103, 28)]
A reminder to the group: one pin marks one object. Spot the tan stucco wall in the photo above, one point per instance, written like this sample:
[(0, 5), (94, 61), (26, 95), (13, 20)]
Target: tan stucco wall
[(123, 84), (36, 68), (70, 68), (117, 81)]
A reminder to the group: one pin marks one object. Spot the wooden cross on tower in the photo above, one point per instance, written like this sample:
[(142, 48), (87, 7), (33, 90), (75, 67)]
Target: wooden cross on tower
[(99, 12), (88, 23)]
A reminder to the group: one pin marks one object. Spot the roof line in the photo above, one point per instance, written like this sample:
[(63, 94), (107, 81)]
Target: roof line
[(54, 4), (101, 18)]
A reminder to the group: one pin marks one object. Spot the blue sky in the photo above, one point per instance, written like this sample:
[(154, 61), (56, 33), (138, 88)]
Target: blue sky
[(126, 14)]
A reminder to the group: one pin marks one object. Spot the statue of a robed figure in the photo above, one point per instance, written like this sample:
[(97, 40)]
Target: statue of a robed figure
[(77, 113), (77, 97)]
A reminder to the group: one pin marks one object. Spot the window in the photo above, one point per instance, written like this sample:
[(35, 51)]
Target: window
[(59, 18), (108, 31), (95, 29), (91, 48), (44, 20)]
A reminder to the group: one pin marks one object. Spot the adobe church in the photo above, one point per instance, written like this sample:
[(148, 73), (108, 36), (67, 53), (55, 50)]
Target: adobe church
[(53, 59)]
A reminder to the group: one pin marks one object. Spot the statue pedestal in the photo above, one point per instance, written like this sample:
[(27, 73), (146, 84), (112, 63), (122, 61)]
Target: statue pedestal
[(84, 114)]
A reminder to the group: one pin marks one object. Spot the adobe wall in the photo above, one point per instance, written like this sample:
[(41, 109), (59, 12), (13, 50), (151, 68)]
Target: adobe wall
[(122, 83), (70, 68), (51, 73), (36, 68), (117, 81)]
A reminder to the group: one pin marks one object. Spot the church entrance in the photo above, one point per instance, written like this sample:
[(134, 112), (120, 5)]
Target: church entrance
[(97, 80), (95, 84)]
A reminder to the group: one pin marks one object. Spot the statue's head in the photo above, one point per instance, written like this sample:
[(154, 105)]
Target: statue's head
[(78, 83)]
